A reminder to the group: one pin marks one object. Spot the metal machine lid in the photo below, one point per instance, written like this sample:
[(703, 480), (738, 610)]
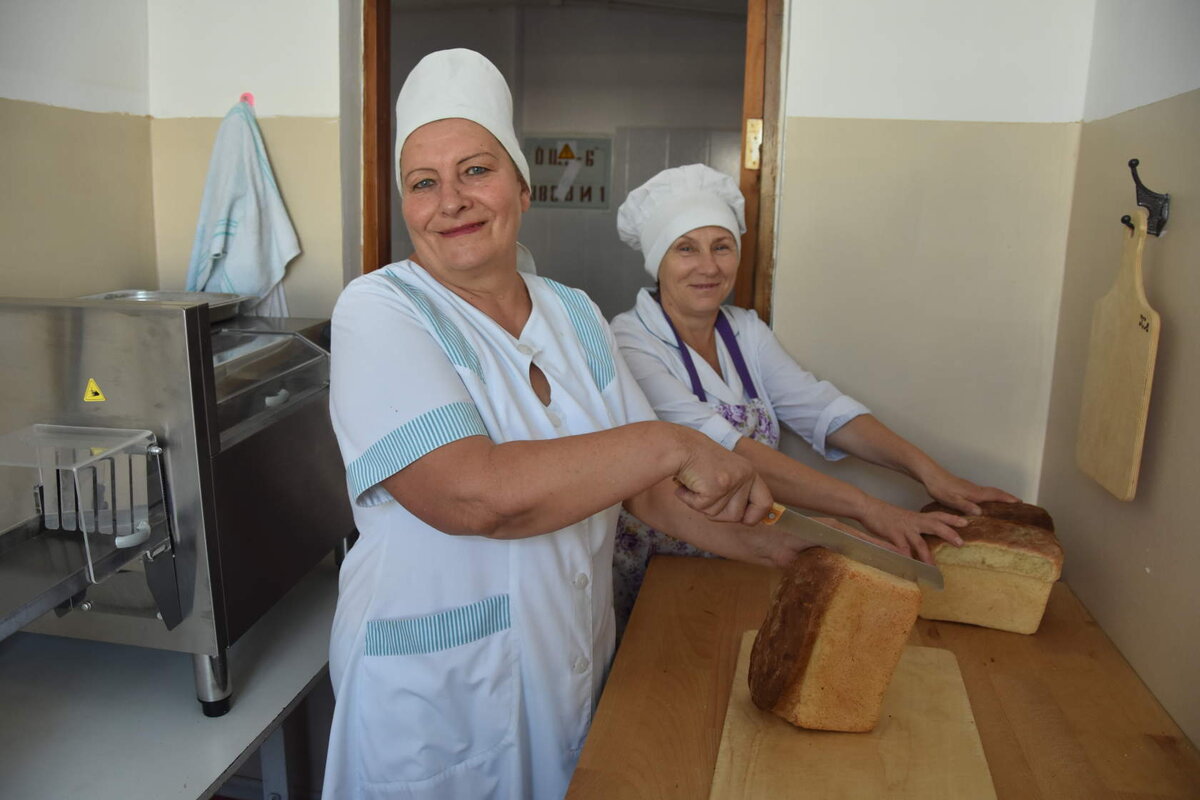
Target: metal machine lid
[(220, 306)]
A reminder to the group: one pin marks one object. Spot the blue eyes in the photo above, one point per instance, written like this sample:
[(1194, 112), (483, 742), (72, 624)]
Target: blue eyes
[(473, 171)]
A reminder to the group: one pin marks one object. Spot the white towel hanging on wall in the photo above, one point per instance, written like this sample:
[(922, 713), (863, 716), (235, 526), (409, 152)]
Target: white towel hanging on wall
[(244, 237)]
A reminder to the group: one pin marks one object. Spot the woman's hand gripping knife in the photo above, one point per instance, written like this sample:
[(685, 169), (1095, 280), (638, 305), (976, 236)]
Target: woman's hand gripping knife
[(713, 524)]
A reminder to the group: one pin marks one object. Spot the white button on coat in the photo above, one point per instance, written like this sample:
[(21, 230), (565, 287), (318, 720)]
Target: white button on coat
[(581, 581)]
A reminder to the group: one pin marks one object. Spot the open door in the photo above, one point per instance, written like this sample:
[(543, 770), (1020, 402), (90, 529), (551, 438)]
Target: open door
[(760, 144)]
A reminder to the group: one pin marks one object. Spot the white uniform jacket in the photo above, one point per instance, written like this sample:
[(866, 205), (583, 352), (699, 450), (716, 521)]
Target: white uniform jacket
[(812, 408), (465, 667)]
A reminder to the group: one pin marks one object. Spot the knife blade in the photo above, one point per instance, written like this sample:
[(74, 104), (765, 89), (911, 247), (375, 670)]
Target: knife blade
[(862, 551)]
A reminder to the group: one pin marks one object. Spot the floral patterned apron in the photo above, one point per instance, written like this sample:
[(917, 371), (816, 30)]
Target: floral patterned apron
[(636, 542)]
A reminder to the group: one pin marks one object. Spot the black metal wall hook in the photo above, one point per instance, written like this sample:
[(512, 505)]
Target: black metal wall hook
[(1159, 205)]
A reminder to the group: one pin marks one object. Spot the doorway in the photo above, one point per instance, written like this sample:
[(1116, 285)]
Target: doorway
[(643, 85)]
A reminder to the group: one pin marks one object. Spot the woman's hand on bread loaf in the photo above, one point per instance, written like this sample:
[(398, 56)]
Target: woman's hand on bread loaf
[(903, 529), (955, 492)]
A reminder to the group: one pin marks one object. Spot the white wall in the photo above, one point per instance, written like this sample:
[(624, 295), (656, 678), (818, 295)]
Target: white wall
[(1142, 53), (929, 157), (75, 53), (967, 60), (1133, 563), (170, 58), (204, 55)]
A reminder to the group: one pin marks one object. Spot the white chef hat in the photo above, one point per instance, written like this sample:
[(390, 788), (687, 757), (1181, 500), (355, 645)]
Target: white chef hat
[(457, 84), (676, 201), (460, 84)]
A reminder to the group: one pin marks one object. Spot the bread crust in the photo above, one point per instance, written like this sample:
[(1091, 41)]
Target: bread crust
[(1022, 513), (1003, 546), (785, 641), (831, 641)]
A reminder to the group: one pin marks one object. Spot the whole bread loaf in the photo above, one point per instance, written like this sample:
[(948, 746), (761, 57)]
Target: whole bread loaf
[(1002, 575), (825, 654)]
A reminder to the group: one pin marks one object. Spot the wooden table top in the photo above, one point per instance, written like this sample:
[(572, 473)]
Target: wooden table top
[(1061, 713)]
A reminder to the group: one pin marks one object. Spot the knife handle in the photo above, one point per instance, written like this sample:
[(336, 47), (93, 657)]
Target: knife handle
[(774, 515)]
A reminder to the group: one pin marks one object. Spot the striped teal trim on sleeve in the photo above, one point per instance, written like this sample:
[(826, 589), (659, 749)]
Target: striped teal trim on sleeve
[(441, 631), (457, 348), (410, 441), (587, 328)]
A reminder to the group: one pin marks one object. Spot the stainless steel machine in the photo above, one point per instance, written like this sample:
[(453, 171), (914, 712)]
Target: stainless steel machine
[(168, 471)]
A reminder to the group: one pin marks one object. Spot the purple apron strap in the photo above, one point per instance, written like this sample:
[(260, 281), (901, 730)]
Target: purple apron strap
[(693, 376), (735, 353), (731, 345)]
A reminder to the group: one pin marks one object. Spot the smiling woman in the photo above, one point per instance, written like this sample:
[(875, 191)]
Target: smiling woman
[(491, 433), (696, 275), (720, 370), (462, 201)]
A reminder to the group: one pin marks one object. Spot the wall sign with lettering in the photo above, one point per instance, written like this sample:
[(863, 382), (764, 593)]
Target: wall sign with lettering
[(569, 172)]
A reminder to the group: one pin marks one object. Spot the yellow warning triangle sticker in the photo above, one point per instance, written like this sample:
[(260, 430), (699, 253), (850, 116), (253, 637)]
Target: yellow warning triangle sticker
[(92, 393), (566, 154)]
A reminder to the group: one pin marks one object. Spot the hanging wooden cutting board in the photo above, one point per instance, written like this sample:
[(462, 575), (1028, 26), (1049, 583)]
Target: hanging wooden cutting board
[(925, 745), (1120, 370)]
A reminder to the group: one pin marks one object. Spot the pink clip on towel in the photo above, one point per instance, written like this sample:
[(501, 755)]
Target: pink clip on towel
[(247, 97)]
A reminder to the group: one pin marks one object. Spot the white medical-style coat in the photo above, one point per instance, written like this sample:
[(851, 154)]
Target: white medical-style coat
[(465, 667), (811, 407)]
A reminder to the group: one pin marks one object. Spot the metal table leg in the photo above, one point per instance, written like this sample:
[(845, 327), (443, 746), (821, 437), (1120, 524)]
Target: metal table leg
[(212, 683)]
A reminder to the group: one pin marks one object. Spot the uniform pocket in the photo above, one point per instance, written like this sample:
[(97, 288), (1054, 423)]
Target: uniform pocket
[(438, 690)]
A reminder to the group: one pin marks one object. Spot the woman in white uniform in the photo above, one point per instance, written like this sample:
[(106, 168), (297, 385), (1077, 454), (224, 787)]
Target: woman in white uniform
[(490, 431), (720, 370)]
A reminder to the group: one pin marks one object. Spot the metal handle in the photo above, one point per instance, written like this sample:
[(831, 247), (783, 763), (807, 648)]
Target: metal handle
[(1159, 205)]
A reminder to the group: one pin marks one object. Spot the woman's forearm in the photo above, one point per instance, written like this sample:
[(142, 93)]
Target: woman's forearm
[(869, 439), (798, 485), (795, 484), (516, 489)]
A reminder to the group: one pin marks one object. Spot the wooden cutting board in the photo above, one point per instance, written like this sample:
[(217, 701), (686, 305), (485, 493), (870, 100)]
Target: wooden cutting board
[(1120, 369), (925, 745)]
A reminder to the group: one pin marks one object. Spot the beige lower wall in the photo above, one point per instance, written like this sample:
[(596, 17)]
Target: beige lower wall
[(304, 154), (919, 269), (76, 214), (1136, 565)]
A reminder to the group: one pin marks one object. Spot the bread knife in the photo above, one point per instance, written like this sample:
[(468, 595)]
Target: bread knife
[(849, 545)]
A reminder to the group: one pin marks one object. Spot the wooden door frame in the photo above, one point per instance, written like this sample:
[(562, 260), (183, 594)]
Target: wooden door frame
[(761, 99), (376, 136)]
